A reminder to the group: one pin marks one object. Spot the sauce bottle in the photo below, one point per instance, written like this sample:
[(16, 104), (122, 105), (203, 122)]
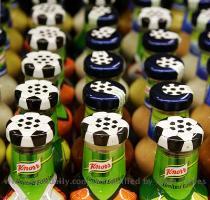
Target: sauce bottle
[(31, 136), (103, 159), (98, 39), (45, 65), (158, 68), (167, 99), (176, 162)]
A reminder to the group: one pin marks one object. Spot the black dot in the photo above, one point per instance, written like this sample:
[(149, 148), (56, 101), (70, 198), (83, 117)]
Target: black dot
[(164, 89), (188, 124), (172, 128), (45, 91), (107, 118), (37, 89), (173, 89), (20, 125), (101, 90), (180, 121), (29, 118), (180, 131), (114, 121), (35, 59), (105, 128), (36, 125), (40, 56), (37, 120), (27, 127), (102, 86), (106, 124), (43, 59), (170, 92), (20, 120), (29, 87), (114, 126), (98, 120), (44, 86), (28, 123), (180, 126), (109, 89), (189, 129), (98, 125), (37, 93), (93, 88), (30, 91), (181, 88), (178, 92), (37, 84)]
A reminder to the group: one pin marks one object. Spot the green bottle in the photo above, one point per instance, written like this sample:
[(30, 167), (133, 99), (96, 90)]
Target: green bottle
[(32, 174), (104, 169), (176, 162)]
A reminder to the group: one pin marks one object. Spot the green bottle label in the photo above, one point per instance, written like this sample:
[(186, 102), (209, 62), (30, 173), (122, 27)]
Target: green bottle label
[(157, 116), (32, 169), (104, 171), (176, 174)]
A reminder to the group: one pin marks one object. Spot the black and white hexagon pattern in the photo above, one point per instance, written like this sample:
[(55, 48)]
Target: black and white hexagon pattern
[(46, 38), (103, 32), (172, 63), (30, 130), (107, 87), (48, 14), (160, 34), (36, 95), (35, 2), (104, 129), (100, 2), (97, 12), (41, 64), (176, 89), (178, 134), (155, 18), (203, 19), (101, 58)]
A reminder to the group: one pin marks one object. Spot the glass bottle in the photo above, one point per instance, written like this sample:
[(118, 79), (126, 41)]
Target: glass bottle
[(176, 162), (104, 170), (31, 136)]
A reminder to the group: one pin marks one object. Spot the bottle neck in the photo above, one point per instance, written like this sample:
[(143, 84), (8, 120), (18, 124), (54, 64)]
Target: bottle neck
[(104, 169), (32, 166), (175, 174), (158, 115)]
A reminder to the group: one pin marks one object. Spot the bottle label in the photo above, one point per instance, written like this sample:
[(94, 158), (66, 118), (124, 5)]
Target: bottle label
[(104, 171), (28, 168), (176, 171)]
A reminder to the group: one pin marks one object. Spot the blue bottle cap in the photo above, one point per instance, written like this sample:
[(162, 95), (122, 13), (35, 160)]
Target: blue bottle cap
[(104, 95), (204, 41), (103, 38), (101, 16), (164, 67), (161, 41), (171, 96), (103, 65)]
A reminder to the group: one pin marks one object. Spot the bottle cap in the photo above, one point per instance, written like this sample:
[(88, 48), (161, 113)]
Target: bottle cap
[(204, 41), (30, 130), (41, 64), (99, 2), (104, 129), (48, 14), (36, 95), (161, 41), (101, 16), (103, 65), (155, 18), (46, 38), (178, 134), (103, 38), (104, 95), (171, 96), (164, 67)]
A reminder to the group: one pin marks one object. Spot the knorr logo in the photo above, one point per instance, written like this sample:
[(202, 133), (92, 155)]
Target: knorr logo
[(28, 167), (176, 171), (100, 166)]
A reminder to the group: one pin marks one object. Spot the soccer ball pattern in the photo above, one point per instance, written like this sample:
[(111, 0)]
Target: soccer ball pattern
[(35, 2), (103, 32), (203, 19), (101, 58), (30, 130), (46, 38), (35, 95), (178, 134), (172, 63), (161, 34), (48, 14), (109, 88), (42, 64), (154, 18), (96, 12), (105, 129), (176, 89)]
